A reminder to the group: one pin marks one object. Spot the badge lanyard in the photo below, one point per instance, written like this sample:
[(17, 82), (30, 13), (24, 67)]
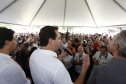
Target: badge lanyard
[(105, 58)]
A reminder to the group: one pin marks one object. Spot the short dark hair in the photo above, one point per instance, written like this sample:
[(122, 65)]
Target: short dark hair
[(5, 34), (76, 40), (46, 33), (105, 47)]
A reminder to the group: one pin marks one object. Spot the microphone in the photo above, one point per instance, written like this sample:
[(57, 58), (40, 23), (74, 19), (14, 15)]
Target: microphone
[(65, 49)]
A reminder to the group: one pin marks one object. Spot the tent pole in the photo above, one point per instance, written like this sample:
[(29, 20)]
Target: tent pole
[(90, 12), (8, 6), (37, 12), (119, 5), (64, 12)]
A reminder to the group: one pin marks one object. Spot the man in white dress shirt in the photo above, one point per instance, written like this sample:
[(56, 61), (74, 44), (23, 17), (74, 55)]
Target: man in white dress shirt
[(45, 66), (10, 71)]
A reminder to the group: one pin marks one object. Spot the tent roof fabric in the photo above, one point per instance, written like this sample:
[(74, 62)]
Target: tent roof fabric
[(87, 13)]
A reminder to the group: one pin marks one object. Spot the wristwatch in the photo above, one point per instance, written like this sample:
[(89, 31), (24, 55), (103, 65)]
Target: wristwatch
[(80, 58)]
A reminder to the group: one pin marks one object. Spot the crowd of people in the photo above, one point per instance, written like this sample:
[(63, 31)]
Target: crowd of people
[(41, 58)]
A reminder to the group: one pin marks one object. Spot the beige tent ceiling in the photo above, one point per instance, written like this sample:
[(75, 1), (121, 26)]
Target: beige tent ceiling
[(87, 13)]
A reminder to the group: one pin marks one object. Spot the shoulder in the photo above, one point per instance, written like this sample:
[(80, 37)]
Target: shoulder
[(104, 67), (99, 70), (97, 53), (84, 54), (7, 62), (77, 54), (70, 56), (13, 73), (110, 55)]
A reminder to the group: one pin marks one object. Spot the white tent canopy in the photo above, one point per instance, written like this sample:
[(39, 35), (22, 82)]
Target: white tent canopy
[(87, 13)]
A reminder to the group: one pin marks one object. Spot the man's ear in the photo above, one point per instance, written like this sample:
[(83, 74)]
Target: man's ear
[(50, 41), (116, 47), (7, 42)]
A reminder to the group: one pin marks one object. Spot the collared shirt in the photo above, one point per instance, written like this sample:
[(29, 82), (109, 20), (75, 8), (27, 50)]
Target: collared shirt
[(47, 69), (102, 59), (78, 67), (11, 72)]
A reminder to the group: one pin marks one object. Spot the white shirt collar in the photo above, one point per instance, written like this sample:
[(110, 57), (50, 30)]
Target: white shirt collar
[(49, 52), (104, 55), (5, 55)]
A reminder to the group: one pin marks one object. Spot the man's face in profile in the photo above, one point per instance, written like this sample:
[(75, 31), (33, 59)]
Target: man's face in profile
[(57, 41)]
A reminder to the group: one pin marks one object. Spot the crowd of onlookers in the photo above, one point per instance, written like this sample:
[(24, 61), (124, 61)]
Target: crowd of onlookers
[(51, 57), (79, 45)]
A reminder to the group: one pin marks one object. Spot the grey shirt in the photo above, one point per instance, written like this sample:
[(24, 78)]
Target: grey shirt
[(113, 72), (78, 67)]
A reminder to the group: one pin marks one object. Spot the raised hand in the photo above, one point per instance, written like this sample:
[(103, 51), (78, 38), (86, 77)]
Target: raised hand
[(86, 62)]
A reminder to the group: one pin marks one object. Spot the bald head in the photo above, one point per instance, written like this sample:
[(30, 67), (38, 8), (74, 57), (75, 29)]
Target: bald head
[(80, 49), (69, 43)]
